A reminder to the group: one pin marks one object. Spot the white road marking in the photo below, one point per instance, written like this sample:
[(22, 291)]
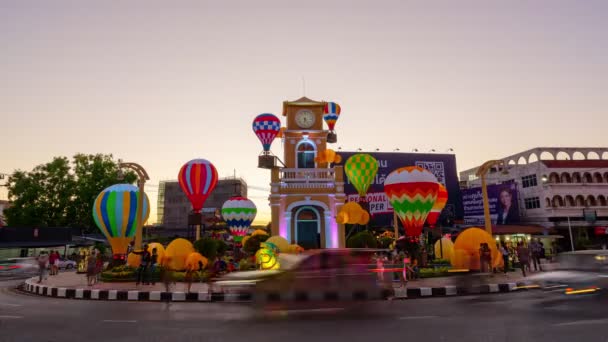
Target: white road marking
[(418, 317), (10, 317), (11, 305), (119, 321), (583, 322)]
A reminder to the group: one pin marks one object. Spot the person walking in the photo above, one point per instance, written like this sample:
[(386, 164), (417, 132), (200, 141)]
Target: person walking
[(504, 251), (536, 255), (43, 261), (143, 265), (523, 254), (91, 262), (153, 262), (53, 260), (98, 266)]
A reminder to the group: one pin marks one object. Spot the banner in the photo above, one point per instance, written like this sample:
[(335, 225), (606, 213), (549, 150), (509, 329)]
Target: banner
[(443, 166), (502, 201)]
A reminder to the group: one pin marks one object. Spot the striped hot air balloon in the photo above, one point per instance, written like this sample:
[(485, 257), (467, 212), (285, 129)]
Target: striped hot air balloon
[(239, 212), (115, 214), (442, 199), (331, 113), (197, 178), (266, 126), (361, 170), (412, 192)]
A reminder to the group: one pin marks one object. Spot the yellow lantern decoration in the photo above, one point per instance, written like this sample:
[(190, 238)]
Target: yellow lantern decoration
[(280, 242), (177, 252), (266, 259), (193, 259), (444, 249), (466, 249)]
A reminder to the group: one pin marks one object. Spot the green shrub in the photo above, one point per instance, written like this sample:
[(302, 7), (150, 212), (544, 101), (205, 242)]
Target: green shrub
[(253, 243), (246, 265), (434, 272), (363, 239), (208, 247)]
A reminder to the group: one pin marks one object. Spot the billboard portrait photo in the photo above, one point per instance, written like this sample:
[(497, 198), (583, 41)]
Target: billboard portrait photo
[(502, 201)]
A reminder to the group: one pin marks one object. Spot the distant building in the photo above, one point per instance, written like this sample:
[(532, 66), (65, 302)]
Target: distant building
[(173, 207), (554, 188)]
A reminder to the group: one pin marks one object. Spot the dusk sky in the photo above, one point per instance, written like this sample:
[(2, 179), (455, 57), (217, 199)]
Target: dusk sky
[(163, 82)]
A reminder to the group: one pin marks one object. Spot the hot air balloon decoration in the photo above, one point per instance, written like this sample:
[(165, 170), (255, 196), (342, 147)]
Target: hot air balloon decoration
[(361, 170), (198, 179), (442, 199), (238, 212), (266, 127), (115, 214), (331, 113), (412, 191)]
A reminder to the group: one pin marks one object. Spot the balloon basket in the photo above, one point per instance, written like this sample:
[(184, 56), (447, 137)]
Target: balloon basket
[(267, 161), (332, 137)]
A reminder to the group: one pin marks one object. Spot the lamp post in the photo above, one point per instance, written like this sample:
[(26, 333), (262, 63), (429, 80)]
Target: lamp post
[(142, 177), (481, 173)]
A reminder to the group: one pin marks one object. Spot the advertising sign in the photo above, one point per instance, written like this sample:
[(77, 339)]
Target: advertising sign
[(443, 166), (502, 200)]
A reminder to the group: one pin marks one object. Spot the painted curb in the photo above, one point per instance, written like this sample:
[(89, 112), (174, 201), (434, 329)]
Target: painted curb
[(30, 286)]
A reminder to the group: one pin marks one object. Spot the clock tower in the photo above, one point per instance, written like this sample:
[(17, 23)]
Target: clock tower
[(305, 195)]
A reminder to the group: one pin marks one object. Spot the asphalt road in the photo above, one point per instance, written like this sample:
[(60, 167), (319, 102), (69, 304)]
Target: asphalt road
[(503, 317)]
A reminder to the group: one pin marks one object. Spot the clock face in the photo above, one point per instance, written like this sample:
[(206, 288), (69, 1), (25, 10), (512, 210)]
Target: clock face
[(305, 118)]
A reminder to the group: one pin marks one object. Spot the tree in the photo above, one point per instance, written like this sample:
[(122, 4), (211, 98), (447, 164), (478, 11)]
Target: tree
[(60, 193), (93, 174), (253, 243)]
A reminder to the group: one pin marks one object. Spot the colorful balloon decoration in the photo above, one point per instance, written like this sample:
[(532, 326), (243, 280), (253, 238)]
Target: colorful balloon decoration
[(266, 258), (466, 249), (115, 214), (328, 156), (331, 113), (197, 178), (412, 191), (238, 212), (442, 199), (361, 170), (266, 126)]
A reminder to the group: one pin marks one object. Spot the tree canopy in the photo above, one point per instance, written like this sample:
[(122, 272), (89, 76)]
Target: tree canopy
[(61, 192)]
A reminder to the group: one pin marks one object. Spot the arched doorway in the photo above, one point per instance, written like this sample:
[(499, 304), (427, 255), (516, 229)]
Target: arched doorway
[(308, 227)]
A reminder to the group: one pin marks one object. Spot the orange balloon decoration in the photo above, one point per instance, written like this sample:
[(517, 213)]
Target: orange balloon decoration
[(440, 202)]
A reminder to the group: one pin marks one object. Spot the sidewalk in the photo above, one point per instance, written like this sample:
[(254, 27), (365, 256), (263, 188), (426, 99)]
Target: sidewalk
[(73, 280)]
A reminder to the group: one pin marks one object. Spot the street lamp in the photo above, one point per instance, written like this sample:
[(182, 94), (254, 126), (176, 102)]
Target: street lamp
[(142, 177), (481, 173)]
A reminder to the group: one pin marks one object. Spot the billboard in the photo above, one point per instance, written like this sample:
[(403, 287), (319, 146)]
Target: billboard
[(443, 166), (502, 200)]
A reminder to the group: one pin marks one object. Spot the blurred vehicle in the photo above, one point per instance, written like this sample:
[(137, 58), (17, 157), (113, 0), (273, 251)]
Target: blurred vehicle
[(66, 264), (18, 267), (319, 278), (579, 274)]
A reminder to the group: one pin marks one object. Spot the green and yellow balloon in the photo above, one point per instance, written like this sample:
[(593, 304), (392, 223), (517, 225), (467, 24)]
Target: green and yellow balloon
[(361, 170)]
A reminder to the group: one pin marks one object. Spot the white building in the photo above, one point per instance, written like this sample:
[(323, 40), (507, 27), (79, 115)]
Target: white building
[(557, 186)]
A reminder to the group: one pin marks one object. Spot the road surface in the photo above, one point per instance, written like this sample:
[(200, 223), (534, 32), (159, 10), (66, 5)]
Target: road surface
[(503, 317)]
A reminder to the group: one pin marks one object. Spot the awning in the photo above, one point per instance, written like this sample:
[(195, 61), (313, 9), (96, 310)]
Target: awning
[(520, 229)]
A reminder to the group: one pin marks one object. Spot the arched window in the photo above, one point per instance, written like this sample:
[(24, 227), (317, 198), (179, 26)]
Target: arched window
[(580, 201), (306, 152), (548, 202), (591, 202), (565, 177), (606, 177), (569, 201), (576, 178), (587, 178), (554, 178), (558, 201), (597, 178), (601, 201)]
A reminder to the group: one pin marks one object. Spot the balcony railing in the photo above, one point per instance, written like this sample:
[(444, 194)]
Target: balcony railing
[(307, 175)]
